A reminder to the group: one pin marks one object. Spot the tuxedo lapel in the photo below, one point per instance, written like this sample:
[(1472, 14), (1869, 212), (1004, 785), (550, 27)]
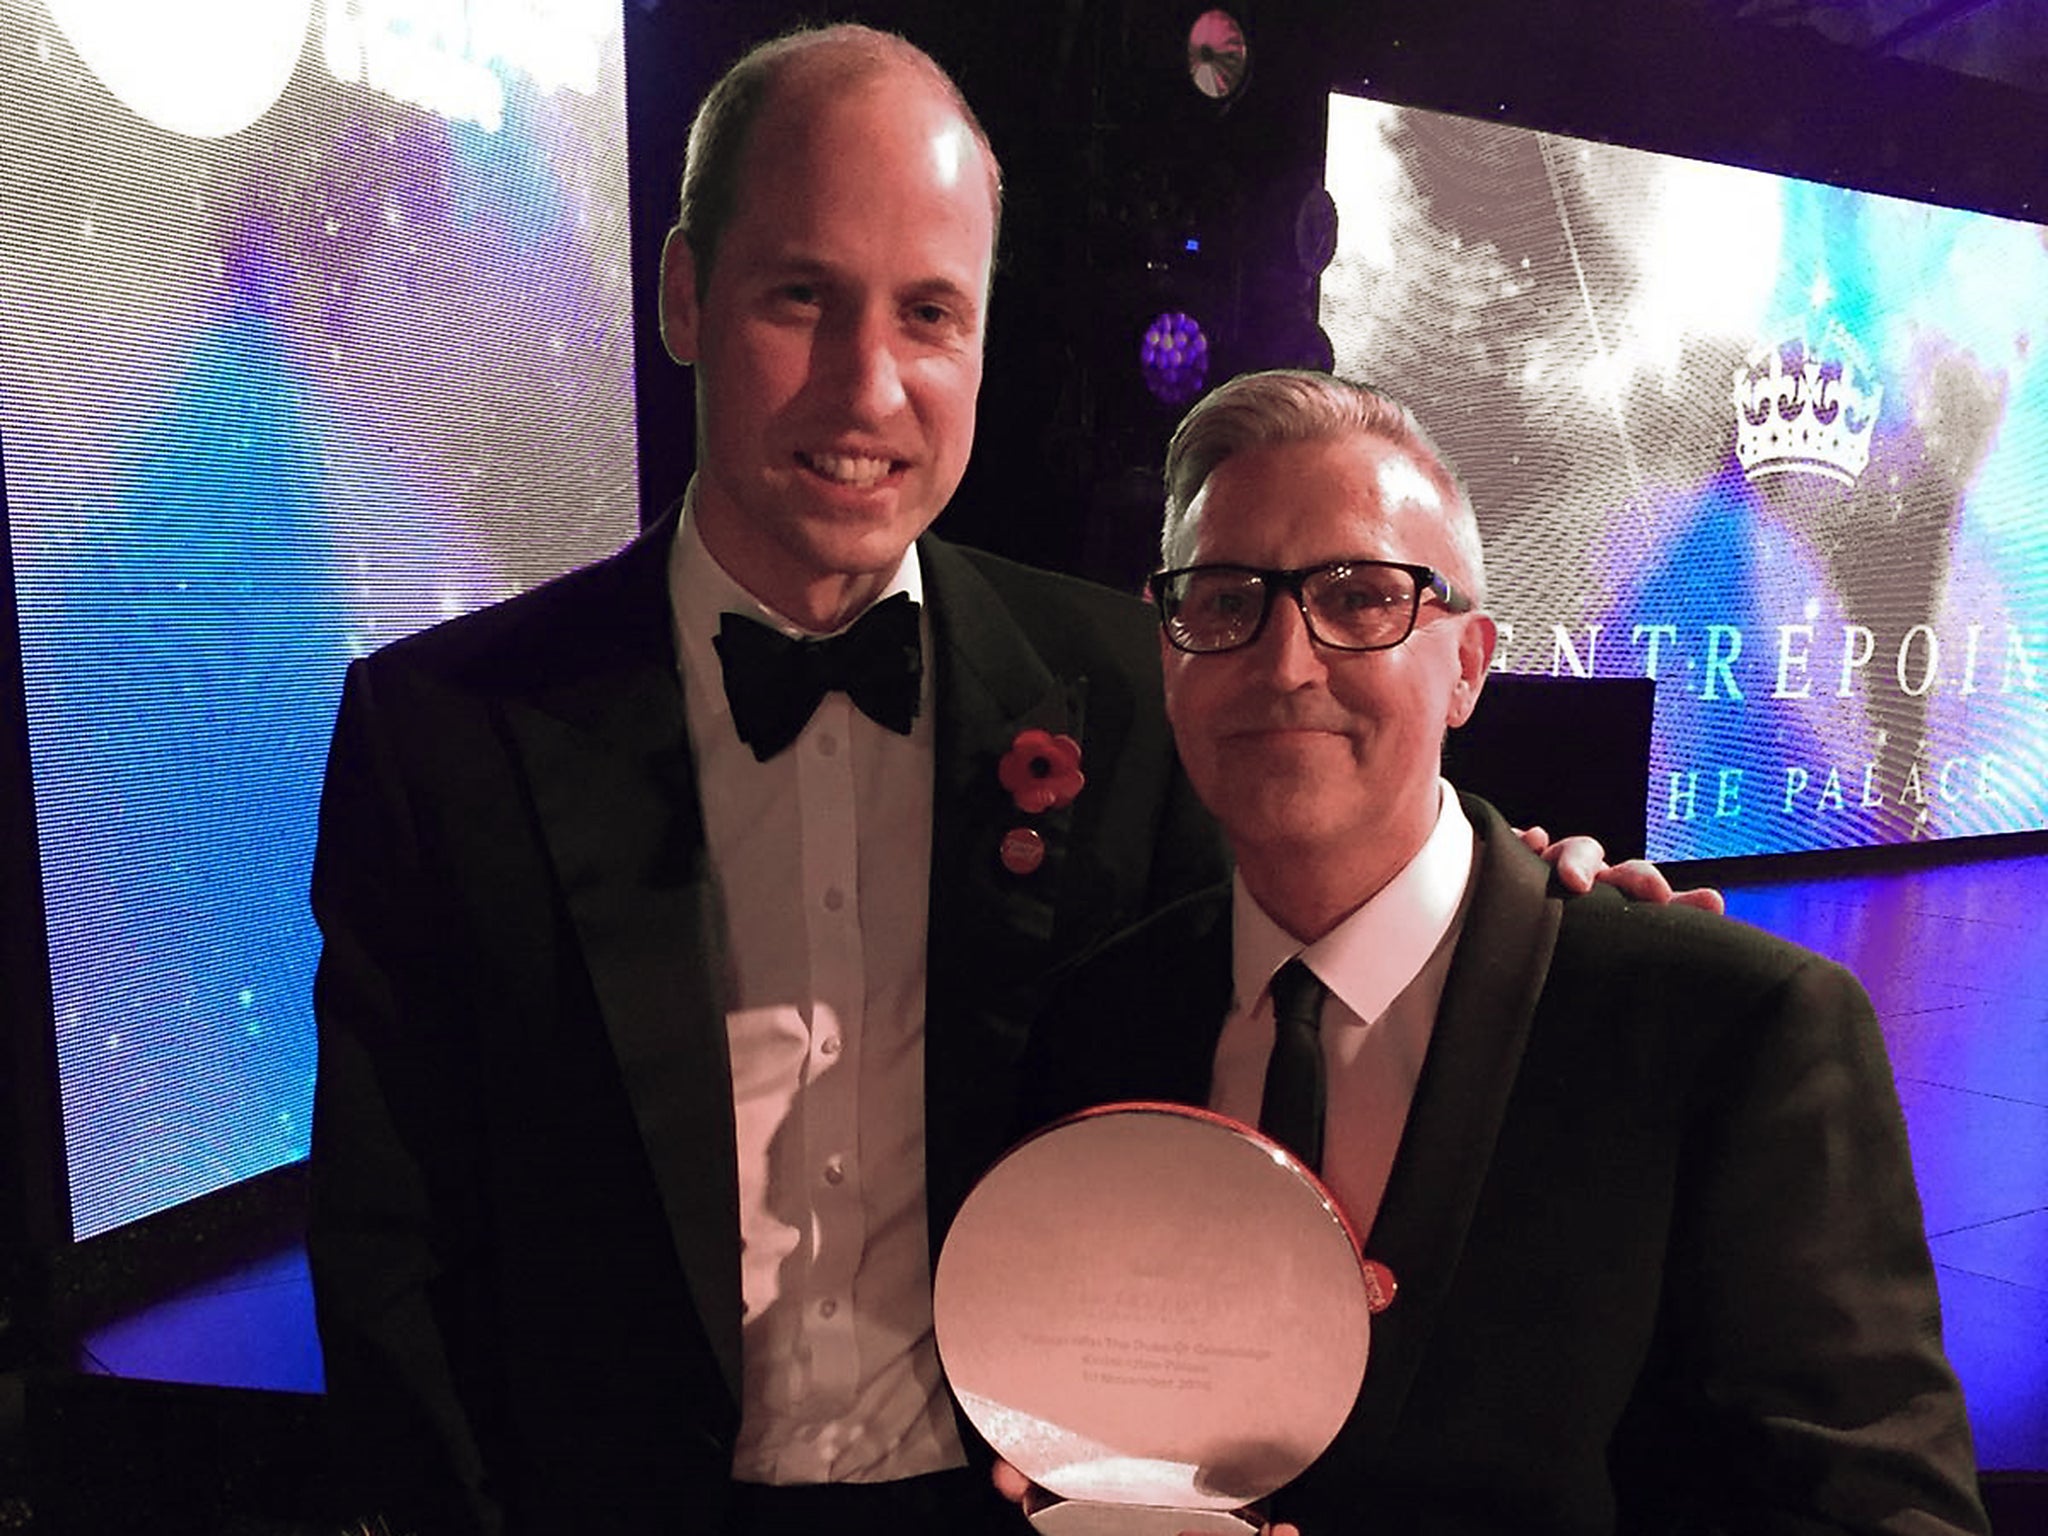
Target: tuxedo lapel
[(606, 748), (990, 926), (1475, 1052), (990, 684)]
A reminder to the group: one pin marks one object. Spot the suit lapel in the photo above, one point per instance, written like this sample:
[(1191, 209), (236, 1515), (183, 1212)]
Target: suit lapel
[(1475, 1052), (606, 747), (990, 927)]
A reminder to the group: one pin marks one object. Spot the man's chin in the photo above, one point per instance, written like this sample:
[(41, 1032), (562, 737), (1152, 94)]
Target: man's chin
[(858, 551), (829, 513), (1268, 815)]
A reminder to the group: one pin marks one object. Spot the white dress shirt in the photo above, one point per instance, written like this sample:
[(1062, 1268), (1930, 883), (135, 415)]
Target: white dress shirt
[(821, 858), (1372, 1050)]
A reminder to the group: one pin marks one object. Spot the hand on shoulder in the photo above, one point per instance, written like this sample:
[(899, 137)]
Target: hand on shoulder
[(1581, 863)]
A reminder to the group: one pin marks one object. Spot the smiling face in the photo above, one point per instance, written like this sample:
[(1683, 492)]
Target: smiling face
[(1322, 765), (838, 343)]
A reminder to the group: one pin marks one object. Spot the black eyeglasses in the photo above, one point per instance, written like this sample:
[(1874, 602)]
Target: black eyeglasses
[(1348, 605)]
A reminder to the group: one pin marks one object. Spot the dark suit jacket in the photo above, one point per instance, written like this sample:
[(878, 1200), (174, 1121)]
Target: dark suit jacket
[(525, 1235), (1660, 1256)]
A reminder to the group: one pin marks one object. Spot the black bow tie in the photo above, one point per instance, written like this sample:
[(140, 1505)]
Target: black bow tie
[(773, 683)]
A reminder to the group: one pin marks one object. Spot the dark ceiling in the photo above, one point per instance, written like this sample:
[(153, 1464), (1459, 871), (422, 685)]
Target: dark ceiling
[(2003, 40)]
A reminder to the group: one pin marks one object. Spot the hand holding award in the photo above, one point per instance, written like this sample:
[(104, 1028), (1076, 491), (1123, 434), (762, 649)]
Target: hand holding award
[(1155, 1314)]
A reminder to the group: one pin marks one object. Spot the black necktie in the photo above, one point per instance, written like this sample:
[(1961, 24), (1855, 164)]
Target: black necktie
[(773, 682), (1291, 1111)]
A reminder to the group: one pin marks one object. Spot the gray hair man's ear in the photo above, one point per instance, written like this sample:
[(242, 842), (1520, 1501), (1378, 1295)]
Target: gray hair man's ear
[(1476, 641)]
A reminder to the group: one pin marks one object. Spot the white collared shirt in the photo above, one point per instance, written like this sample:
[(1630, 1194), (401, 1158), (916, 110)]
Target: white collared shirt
[(1372, 1056), (822, 861)]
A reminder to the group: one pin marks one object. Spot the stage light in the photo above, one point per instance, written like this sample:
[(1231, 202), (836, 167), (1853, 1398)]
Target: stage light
[(1174, 357), (207, 76), (1217, 59)]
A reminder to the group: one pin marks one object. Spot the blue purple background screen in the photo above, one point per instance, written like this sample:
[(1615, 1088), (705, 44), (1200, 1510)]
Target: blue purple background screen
[(271, 397), (1842, 658)]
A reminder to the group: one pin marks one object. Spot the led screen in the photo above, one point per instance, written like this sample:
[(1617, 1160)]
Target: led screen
[(1781, 446), (314, 329)]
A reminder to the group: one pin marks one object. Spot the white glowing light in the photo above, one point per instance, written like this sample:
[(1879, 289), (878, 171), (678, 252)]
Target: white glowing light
[(210, 68), (1709, 258), (1364, 178), (430, 70), (204, 68), (451, 56), (557, 44)]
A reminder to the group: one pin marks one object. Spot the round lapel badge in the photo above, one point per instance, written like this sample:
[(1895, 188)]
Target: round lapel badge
[(1023, 850)]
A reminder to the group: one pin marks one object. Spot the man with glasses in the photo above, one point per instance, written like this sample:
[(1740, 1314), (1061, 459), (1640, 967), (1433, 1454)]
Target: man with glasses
[(1640, 1175)]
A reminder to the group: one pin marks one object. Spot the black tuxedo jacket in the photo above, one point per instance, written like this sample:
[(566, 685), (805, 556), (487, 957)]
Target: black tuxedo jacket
[(525, 1232), (1659, 1252)]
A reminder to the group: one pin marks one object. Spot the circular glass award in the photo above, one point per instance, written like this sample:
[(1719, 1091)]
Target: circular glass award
[(1156, 1314)]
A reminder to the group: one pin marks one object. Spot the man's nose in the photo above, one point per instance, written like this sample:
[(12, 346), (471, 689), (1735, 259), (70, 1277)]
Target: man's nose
[(1288, 650), (865, 366)]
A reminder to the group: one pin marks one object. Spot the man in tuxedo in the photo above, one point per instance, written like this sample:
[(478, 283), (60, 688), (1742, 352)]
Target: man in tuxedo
[(1640, 1174), (654, 1043), (676, 960)]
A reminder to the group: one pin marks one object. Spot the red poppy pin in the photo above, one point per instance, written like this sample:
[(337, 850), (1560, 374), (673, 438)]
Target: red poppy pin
[(1042, 771)]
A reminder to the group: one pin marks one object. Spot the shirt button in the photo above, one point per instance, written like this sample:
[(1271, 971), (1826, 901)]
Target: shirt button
[(834, 899), (828, 746), (829, 1046), (835, 1171), (828, 1307)]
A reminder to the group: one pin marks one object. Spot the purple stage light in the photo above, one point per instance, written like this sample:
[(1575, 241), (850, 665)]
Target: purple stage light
[(1174, 357)]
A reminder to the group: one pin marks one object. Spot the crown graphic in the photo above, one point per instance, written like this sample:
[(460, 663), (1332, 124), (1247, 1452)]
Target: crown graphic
[(1806, 407)]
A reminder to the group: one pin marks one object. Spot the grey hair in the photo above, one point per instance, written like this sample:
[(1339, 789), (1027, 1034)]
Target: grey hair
[(829, 58), (1298, 405)]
